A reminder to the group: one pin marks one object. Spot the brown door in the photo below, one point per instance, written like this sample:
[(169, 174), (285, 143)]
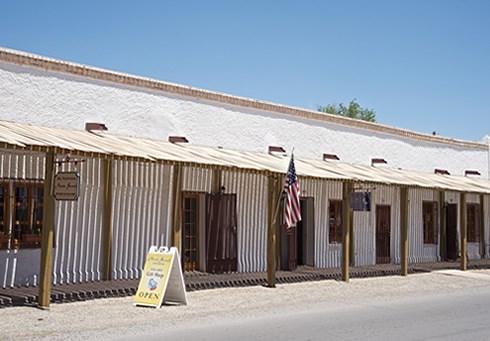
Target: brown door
[(452, 231), (383, 234), (221, 233)]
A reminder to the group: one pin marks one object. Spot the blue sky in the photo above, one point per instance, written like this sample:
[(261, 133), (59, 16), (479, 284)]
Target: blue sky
[(421, 65)]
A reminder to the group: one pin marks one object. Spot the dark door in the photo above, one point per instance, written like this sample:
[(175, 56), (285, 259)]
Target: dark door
[(298, 245), (383, 234), (452, 231), (190, 232), (221, 233)]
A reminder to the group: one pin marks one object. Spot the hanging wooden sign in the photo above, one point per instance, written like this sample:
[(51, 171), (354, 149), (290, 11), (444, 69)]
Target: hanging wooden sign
[(66, 186), (162, 280)]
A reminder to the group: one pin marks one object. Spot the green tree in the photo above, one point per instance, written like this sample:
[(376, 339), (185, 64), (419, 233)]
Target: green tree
[(354, 110)]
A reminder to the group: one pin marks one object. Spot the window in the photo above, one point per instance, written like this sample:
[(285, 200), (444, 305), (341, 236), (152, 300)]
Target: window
[(24, 228), (431, 220), (473, 223), (190, 232), (335, 221), (4, 233)]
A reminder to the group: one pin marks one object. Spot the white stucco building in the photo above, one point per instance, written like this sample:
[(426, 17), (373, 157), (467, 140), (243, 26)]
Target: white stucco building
[(48, 92), (138, 190)]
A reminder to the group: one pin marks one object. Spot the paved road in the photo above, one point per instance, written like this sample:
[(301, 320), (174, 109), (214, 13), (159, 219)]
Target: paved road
[(463, 316), (459, 315), (438, 306)]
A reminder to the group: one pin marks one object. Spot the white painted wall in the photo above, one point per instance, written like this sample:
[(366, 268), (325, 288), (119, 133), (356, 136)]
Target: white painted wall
[(36, 96)]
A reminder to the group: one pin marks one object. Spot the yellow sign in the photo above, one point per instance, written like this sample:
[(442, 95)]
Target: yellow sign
[(161, 268)]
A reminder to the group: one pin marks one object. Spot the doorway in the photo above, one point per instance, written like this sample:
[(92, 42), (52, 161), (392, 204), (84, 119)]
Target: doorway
[(298, 243), (221, 233), (452, 232), (383, 234)]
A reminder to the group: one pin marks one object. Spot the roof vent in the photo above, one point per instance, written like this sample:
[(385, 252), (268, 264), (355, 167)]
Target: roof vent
[(378, 161), (89, 126), (330, 157), (471, 172), (177, 139), (276, 149), (441, 171)]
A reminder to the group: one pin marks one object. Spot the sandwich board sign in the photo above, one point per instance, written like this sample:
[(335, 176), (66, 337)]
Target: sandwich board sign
[(162, 280)]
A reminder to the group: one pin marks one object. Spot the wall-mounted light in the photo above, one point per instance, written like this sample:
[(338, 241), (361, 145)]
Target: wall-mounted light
[(330, 157), (276, 149), (471, 172), (378, 161), (177, 139), (89, 126), (441, 171)]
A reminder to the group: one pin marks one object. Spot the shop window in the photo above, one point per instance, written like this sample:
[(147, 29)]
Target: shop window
[(4, 228), (190, 235), (473, 223), (431, 219), (335, 221), (27, 215)]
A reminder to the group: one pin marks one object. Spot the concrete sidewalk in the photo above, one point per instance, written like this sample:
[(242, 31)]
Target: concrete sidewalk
[(28, 296)]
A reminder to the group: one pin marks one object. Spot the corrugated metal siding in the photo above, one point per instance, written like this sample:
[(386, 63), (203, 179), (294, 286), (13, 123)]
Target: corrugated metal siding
[(77, 252), (365, 225), (326, 255), (142, 197), (252, 214), (197, 179), (20, 267), (418, 251), (22, 166), (473, 249), (486, 203)]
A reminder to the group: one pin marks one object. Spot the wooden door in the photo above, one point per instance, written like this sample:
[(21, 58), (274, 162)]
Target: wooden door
[(452, 231), (383, 234), (221, 233)]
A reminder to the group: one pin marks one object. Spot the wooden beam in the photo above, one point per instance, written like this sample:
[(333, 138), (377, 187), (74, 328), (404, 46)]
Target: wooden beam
[(107, 219), (483, 245), (346, 190), (177, 207), (442, 219), (404, 230), (47, 234), (462, 222), (271, 232)]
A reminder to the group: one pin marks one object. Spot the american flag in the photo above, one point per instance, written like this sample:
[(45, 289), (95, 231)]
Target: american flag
[(292, 209)]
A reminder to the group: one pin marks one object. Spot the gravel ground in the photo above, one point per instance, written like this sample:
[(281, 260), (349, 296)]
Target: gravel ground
[(116, 318)]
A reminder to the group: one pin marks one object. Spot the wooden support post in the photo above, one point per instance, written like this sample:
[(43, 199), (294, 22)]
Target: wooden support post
[(483, 244), (462, 222), (404, 230), (107, 220), (47, 234), (442, 219), (177, 207), (271, 232), (346, 189)]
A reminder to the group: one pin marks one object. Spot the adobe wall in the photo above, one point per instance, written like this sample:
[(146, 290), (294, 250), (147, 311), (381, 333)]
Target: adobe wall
[(65, 95)]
